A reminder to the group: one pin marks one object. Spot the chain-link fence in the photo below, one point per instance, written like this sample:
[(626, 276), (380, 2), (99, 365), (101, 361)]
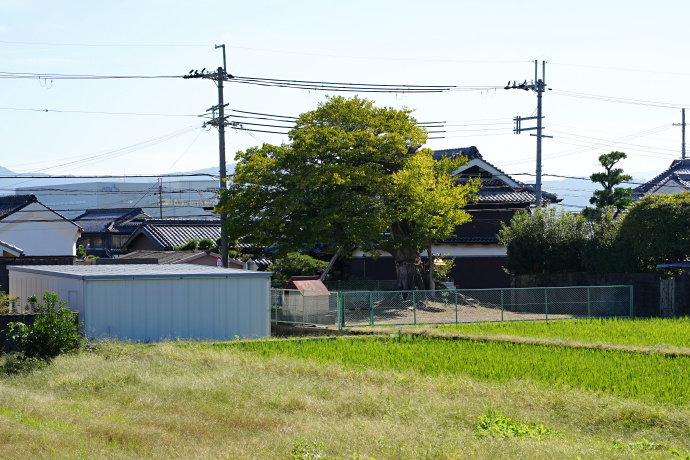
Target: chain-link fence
[(371, 308), (474, 305), (304, 307)]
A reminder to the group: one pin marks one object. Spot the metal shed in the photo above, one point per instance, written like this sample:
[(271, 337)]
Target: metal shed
[(155, 302)]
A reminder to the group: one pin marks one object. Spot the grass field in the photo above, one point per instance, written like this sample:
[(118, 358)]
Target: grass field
[(382, 398)]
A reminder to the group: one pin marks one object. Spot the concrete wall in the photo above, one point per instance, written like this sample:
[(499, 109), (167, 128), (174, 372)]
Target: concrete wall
[(646, 288)]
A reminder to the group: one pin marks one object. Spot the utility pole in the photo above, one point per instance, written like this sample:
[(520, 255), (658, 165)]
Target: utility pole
[(538, 86), (682, 125), (219, 76), (160, 196)]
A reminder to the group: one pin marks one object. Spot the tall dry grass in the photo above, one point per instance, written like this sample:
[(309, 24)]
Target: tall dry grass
[(177, 400)]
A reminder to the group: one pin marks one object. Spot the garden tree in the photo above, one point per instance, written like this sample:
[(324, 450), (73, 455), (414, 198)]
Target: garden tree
[(611, 196), (655, 230), (352, 175), (544, 241), (296, 264)]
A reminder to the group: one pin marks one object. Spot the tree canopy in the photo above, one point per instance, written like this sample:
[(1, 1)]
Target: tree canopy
[(655, 230), (352, 174)]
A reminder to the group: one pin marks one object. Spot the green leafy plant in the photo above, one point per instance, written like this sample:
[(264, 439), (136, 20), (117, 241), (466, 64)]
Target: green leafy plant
[(306, 449), (53, 332), (81, 252), (205, 244), (492, 424), (191, 245)]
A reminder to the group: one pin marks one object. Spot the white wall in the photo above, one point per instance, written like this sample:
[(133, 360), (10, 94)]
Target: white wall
[(40, 232)]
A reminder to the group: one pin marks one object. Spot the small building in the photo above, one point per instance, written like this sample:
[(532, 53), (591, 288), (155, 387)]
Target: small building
[(35, 228), (155, 302), (306, 299)]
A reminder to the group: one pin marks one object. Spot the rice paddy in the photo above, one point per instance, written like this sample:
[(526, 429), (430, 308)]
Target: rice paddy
[(644, 376)]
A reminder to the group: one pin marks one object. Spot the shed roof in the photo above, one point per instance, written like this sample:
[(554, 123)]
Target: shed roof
[(138, 271), (310, 285)]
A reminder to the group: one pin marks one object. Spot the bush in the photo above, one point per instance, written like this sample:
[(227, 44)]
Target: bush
[(7, 304), (296, 264), (54, 331)]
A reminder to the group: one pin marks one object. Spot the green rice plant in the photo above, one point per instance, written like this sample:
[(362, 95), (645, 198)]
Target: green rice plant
[(636, 375), (653, 332)]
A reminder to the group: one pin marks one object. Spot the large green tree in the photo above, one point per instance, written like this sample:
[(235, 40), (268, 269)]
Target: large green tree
[(352, 175), (611, 197), (655, 230)]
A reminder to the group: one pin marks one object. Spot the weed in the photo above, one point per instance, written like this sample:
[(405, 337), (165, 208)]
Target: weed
[(305, 449), (492, 424)]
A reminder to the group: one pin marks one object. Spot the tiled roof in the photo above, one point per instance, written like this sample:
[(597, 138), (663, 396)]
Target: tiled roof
[(679, 171), (168, 233), (506, 194), (117, 220), (472, 239), (470, 152), (494, 190), (10, 204)]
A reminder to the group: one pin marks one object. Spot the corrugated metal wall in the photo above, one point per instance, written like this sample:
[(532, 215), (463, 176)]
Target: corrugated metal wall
[(160, 309)]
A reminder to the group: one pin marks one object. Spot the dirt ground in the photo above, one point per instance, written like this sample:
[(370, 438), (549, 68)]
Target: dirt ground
[(436, 314)]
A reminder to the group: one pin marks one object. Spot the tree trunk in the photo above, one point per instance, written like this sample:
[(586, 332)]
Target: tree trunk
[(408, 262), (432, 284)]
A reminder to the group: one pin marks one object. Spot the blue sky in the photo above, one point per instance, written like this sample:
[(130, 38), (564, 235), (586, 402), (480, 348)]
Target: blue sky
[(611, 49)]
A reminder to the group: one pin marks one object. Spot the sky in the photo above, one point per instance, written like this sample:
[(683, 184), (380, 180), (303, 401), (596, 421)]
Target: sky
[(626, 64)]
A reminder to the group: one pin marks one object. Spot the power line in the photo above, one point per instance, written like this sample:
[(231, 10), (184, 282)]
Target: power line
[(98, 112), (620, 100)]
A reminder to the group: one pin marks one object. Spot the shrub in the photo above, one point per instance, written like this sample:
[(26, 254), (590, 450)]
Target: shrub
[(54, 331), (7, 304)]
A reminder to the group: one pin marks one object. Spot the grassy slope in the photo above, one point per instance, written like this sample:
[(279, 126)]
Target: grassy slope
[(166, 401)]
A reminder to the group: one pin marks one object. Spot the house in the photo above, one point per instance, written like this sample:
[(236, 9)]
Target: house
[(478, 258), (675, 179), (35, 228), (105, 230), (166, 234)]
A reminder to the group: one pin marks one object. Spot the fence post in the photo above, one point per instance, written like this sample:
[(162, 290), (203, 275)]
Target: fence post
[(371, 308), (414, 307), (304, 311), (456, 306), (501, 304), (631, 301), (546, 303), (589, 304), (341, 311)]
